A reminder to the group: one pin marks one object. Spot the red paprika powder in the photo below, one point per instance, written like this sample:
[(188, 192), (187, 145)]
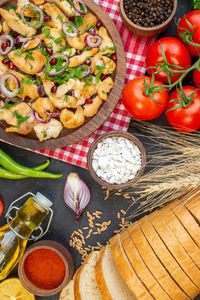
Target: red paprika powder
[(45, 268)]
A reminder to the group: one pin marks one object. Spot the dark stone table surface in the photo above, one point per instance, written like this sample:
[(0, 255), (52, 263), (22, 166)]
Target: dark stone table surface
[(63, 223)]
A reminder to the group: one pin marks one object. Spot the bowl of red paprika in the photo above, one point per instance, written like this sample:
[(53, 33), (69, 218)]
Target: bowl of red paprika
[(45, 268)]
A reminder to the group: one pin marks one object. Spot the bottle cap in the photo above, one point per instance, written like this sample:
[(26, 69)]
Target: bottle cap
[(43, 201)]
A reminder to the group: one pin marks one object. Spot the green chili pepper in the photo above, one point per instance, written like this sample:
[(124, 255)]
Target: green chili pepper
[(195, 4), (6, 174), (12, 166)]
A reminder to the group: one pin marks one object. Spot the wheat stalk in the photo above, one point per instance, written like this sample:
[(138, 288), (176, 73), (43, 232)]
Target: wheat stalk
[(174, 162)]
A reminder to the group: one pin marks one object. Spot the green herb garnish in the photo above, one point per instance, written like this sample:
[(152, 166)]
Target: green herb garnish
[(100, 67), (11, 7), (26, 81), (78, 21), (98, 76), (18, 52), (20, 118), (20, 91), (46, 31)]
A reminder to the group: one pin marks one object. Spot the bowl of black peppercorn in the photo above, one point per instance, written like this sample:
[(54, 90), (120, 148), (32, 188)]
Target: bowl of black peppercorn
[(147, 17)]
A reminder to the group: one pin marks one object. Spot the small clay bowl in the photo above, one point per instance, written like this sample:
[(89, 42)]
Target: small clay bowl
[(110, 134), (62, 252), (146, 31)]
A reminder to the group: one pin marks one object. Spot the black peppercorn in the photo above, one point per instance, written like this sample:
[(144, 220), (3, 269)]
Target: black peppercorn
[(148, 13)]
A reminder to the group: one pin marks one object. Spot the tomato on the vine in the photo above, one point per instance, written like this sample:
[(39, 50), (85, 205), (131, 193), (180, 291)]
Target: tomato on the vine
[(196, 78), (188, 31), (141, 106), (183, 111), (176, 55)]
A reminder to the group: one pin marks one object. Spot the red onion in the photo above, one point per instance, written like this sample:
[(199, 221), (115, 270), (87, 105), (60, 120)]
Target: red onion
[(40, 44), (28, 42), (37, 117), (80, 2), (4, 37), (57, 55), (34, 24), (41, 69), (90, 43), (91, 30), (40, 90), (21, 39), (31, 118), (70, 29), (87, 72), (76, 194), (4, 89), (53, 115)]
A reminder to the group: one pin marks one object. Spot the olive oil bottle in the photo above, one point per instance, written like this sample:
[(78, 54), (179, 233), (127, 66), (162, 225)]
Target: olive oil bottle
[(15, 234)]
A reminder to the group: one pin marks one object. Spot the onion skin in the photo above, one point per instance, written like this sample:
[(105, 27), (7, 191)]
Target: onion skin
[(91, 44), (37, 9), (3, 88), (76, 194), (72, 34), (57, 55), (8, 49), (79, 11)]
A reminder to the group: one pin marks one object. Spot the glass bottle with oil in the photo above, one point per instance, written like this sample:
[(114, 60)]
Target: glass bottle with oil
[(15, 235)]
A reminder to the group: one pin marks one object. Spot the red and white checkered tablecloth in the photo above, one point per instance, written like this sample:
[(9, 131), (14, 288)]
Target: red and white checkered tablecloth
[(135, 49)]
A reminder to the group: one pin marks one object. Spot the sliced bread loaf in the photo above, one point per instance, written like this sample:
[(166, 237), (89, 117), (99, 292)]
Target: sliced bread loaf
[(126, 270), (192, 204), (186, 220), (109, 281), (176, 249), (67, 292), (166, 257), (140, 268), (153, 263), (85, 286), (181, 234)]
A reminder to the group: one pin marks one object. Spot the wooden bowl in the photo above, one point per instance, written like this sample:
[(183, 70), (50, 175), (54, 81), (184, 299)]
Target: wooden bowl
[(71, 136), (62, 252), (109, 134), (146, 31)]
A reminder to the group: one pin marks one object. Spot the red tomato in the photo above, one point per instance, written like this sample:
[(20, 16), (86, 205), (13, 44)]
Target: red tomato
[(196, 78), (186, 32), (176, 54), (184, 119), (139, 105)]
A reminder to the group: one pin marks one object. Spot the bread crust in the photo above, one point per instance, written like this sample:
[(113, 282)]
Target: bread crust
[(166, 258), (181, 234), (126, 271), (102, 286), (140, 268), (192, 203), (187, 220), (176, 249), (77, 293), (153, 264)]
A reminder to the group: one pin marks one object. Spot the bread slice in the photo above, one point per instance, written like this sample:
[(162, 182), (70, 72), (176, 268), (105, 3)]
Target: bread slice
[(140, 268), (85, 286), (153, 263), (176, 249), (181, 234), (192, 203), (167, 258), (126, 270), (67, 292), (186, 220), (109, 281)]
